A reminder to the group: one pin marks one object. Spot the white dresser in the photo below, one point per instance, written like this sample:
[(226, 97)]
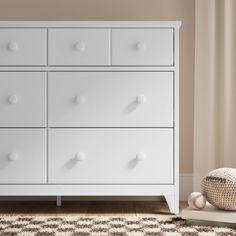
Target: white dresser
[(89, 109)]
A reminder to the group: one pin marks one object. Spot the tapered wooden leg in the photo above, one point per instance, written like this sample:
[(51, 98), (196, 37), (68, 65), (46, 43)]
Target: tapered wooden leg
[(59, 201), (172, 203)]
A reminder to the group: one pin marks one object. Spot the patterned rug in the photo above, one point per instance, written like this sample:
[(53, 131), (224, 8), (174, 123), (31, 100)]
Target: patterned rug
[(103, 226)]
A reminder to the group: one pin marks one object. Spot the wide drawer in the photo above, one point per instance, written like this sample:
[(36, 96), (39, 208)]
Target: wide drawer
[(79, 47), (23, 47), (22, 156), (110, 156), (111, 99), (23, 99), (147, 47)]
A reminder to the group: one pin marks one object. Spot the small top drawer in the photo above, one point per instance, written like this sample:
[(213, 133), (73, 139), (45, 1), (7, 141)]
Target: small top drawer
[(147, 47), (79, 47), (20, 47)]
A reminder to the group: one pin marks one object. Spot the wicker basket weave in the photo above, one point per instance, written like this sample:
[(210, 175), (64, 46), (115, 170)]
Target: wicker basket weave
[(219, 187)]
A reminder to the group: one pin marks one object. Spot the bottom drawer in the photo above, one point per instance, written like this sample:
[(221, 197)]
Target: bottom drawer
[(22, 156), (110, 156)]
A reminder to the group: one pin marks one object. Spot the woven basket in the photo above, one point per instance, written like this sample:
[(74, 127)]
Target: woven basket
[(219, 187)]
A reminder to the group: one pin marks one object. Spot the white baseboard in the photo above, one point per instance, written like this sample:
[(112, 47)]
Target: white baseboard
[(185, 185), (185, 181)]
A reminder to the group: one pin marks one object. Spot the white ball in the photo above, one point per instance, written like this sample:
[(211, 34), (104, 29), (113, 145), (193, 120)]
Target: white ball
[(196, 201)]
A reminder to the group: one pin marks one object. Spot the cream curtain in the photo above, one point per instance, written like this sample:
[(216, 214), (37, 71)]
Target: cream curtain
[(215, 87)]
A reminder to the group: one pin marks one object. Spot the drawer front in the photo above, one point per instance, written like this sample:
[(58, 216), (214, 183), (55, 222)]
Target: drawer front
[(147, 47), (111, 99), (22, 99), (23, 47), (79, 47), (22, 156), (110, 156)]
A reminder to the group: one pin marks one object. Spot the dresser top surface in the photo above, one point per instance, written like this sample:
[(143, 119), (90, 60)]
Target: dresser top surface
[(93, 24)]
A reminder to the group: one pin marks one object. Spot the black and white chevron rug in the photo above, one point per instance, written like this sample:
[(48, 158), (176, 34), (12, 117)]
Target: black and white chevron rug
[(17, 225)]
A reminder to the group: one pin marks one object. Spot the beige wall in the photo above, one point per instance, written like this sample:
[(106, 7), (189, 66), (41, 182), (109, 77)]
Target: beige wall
[(127, 10)]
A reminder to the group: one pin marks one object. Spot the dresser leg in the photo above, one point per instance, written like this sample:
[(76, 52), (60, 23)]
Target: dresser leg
[(59, 201), (173, 203)]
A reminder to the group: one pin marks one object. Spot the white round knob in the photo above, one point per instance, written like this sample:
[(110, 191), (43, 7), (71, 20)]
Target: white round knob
[(80, 99), (13, 46), (80, 46), (141, 156), (141, 99), (140, 46), (13, 156), (13, 99), (80, 156)]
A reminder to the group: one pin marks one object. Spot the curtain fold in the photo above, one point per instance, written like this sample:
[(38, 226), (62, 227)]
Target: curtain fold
[(215, 87)]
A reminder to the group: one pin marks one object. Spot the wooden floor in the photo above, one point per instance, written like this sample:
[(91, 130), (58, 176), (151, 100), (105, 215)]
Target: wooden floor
[(86, 208)]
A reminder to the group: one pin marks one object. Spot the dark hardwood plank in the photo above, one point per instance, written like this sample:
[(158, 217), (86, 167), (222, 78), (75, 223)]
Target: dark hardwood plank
[(86, 208)]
